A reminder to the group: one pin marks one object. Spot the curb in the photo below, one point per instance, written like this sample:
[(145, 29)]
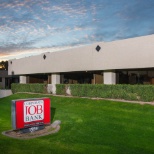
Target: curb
[(55, 126), (95, 98)]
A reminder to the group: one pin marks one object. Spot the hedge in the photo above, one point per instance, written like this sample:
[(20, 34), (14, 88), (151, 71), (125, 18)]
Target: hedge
[(60, 89), (119, 91), (35, 88), (126, 92)]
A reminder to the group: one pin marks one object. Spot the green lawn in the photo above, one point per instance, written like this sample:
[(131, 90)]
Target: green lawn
[(88, 126)]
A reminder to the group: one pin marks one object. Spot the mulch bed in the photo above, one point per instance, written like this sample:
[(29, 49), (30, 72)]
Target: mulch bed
[(50, 129)]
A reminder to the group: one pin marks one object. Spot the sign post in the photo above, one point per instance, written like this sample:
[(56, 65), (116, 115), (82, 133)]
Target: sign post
[(30, 114)]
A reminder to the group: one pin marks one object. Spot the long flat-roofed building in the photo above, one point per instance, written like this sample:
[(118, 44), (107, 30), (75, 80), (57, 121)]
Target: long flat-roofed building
[(128, 61)]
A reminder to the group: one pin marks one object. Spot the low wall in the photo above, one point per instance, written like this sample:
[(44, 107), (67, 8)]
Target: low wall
[(50, 88), (4, 93)]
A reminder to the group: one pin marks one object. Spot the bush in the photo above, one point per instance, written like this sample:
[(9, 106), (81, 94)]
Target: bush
[(126, 92), (60, 89), (35, 88)]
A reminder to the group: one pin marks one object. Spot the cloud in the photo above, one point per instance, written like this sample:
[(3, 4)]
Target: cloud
[(31, 52), (27, 24)]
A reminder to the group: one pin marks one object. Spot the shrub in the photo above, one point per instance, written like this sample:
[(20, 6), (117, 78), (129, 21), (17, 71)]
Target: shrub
[(60, 89), (126, 92), (35, 88)]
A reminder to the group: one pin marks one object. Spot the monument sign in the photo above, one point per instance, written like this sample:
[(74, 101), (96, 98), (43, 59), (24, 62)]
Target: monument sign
[(28, 113)]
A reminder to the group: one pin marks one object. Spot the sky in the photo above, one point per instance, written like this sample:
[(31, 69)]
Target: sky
[(30, 27)]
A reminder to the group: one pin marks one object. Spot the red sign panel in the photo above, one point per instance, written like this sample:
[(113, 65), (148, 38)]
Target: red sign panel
[(30, 112)]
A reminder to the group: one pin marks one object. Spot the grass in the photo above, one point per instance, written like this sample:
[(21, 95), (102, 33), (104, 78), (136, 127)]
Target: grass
[(88, 126)]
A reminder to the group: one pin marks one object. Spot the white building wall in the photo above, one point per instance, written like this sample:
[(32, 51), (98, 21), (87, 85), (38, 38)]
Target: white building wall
[(123, 54), (109, 78), (22, 79), (55, 80)]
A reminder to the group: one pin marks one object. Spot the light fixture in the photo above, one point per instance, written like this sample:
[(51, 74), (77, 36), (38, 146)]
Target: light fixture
[(44, 56), (98, 48)]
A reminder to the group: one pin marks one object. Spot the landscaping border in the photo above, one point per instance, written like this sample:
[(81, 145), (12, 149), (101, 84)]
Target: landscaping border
[(55, 127)]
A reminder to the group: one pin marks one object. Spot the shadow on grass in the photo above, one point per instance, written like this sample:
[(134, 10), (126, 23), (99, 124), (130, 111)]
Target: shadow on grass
[(53, 111)]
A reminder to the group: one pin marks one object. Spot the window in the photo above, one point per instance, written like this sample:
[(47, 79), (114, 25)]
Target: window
[(0, 79)]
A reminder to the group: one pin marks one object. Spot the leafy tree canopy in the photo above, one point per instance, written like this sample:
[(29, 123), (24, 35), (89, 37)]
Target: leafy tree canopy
[(4, 65)]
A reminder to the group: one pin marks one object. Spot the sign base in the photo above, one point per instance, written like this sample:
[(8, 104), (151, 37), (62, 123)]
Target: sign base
[(32, 129)]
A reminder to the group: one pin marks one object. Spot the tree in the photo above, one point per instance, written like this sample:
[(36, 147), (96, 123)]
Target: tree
[(4, 65)]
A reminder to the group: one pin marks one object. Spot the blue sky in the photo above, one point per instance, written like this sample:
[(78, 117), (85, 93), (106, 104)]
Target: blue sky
[(29, 27)]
